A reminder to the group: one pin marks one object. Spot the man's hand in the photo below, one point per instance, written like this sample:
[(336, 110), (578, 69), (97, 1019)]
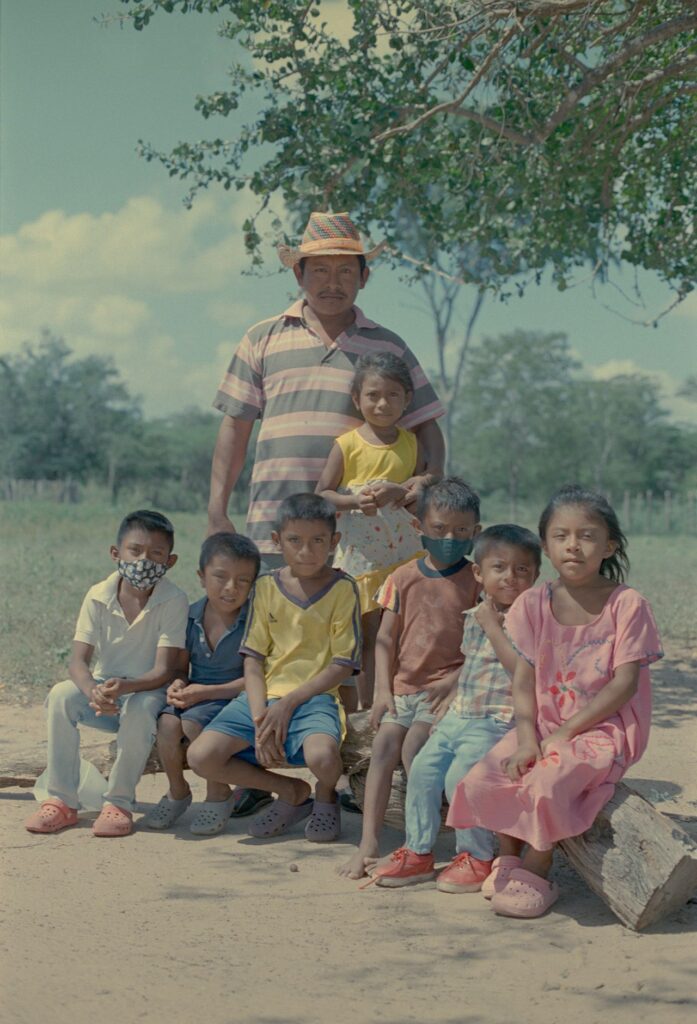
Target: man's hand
[(521, 761), (383, 701), (220, 524), (388, 494), (185, 695), (366, 502), (413, 487)]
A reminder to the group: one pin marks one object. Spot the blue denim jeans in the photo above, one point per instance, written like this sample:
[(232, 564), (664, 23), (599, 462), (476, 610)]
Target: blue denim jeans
[(135, 727), (455, 746)]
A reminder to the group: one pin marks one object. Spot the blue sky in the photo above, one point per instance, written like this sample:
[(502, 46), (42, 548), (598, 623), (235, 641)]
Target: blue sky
[(97, 246)]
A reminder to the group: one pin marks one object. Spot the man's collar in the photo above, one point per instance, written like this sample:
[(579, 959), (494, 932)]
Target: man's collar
[(295, 312)]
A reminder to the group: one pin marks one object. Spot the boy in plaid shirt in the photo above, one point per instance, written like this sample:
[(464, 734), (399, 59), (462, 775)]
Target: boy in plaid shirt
[(478, 713)]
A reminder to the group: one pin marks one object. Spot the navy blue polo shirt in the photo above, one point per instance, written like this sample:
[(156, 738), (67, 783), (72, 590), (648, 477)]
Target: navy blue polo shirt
[(224, 663)]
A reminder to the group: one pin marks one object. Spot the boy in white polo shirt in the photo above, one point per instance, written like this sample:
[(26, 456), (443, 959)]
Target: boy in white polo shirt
[(134, 624)]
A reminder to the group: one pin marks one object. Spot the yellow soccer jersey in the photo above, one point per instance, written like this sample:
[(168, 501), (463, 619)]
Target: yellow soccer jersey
[(297, 638)]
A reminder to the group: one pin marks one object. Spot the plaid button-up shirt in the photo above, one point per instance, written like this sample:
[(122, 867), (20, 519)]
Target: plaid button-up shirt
[(484, 687)]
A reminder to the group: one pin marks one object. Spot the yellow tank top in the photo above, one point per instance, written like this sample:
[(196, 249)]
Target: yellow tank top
[(363, 461)]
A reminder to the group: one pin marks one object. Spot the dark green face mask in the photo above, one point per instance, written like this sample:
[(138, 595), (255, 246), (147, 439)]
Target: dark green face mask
[(447, 550)]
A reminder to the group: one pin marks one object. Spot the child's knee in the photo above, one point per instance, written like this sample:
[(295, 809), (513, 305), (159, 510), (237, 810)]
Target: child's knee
[(142, 709), (203, 757), (169, 727), (322, 756), (65, 696), (387, 746)]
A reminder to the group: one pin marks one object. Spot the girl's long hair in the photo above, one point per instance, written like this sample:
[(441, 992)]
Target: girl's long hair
[(616, 567)]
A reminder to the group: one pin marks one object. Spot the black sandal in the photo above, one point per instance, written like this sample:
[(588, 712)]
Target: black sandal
[(249, 801)]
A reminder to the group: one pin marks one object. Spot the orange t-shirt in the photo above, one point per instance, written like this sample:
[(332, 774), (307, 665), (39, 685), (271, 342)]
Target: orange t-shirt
[(429, 604)]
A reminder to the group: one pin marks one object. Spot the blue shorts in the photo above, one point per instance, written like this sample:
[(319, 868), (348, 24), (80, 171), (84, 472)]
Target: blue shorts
[(319, 714), (201, 713)]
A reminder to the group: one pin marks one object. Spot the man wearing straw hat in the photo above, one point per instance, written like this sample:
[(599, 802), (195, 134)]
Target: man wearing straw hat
[(294, 372)]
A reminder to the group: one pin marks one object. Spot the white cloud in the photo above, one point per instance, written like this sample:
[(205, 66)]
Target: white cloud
[(679, 408), (141, 247), (117, 285)]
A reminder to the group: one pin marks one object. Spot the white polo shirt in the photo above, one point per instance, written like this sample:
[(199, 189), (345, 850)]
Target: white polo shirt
[(128, 650)]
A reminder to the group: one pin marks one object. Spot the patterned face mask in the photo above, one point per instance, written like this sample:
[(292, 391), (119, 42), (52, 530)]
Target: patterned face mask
[(143, 574)]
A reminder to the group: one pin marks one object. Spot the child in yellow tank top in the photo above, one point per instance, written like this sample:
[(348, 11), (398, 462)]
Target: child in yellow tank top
[(366, 478)]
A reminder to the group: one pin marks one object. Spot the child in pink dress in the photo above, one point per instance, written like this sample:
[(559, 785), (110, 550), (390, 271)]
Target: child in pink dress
[(582, 699)]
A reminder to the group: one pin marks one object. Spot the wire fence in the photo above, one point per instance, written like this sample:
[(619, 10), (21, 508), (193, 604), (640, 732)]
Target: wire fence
[(649, 512)]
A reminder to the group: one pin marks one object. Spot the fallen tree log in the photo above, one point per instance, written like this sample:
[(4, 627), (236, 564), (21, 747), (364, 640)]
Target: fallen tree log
[(24, 770), (640, 862)]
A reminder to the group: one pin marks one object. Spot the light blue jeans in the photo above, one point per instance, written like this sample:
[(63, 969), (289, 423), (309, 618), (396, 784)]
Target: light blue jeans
[(135, 727), (455, 746)]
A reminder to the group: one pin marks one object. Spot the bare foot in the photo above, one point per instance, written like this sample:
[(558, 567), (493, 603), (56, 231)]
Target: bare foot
[(374, 862), (357, 865)]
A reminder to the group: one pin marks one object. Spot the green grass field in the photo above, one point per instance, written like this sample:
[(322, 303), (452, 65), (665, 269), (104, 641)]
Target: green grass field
[(51, 554)]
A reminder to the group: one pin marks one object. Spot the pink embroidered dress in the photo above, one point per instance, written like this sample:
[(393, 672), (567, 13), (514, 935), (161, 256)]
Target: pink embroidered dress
[(562, 794)]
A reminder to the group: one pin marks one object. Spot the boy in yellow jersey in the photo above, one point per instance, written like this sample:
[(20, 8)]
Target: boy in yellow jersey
[(302, 641)]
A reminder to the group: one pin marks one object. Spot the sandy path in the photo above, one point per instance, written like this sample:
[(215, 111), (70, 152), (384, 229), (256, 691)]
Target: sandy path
[(171, 928)]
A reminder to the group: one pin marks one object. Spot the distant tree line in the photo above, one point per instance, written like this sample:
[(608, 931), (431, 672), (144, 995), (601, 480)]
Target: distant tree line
[(63, 418), (527, 421)]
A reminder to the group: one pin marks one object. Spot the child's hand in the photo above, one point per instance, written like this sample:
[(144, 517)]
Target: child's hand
[(186, 696), (273, 729), (114, 687), (267, 753), (101, 703), (382, 702), (522, 761), (553, 740), (175, 688), (487, 616), (366, 502), (389, 494), (440, 697)]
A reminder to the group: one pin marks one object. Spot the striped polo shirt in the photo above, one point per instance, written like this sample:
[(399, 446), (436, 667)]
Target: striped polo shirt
[(283, 373)]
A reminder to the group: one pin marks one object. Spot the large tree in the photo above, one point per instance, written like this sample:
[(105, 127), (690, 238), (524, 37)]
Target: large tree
[(542, 132), (529, 421), (58, 414)]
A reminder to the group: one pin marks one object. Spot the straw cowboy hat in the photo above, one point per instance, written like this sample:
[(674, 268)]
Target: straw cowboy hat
[(328, 234)]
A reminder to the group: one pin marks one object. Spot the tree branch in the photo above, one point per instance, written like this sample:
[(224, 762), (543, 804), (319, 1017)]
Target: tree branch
[(451, 105)]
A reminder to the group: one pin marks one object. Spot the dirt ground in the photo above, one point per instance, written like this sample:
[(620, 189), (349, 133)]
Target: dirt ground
[(168, 927)]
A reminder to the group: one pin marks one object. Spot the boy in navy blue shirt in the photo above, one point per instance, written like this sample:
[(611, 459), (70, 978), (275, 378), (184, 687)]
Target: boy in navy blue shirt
[(228, 566)]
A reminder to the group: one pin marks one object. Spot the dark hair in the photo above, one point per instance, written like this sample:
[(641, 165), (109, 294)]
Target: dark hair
[(385, 365), (151, 522), (450, 493), (307, 507), (234, 545), (362, 262), (506, 533), (616, 567)]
